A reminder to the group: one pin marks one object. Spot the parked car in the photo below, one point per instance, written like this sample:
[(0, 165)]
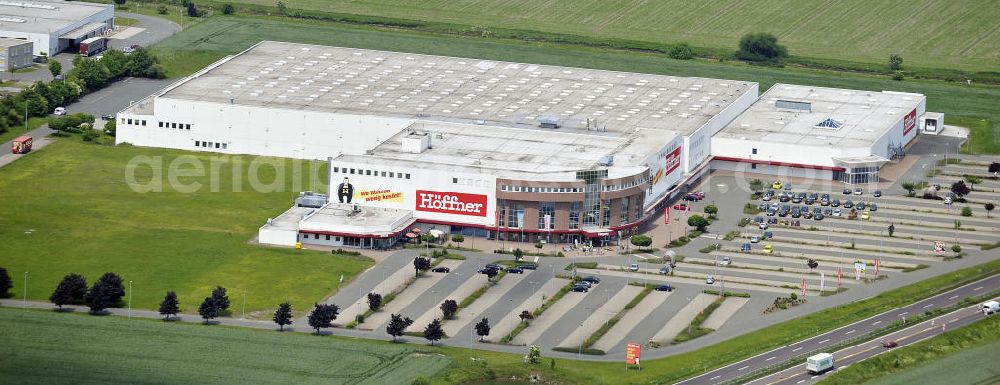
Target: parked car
[(709, 280), (680, 207), (494, 266), (776, 185), (866, 216), (835, 203), (847, 191), (877, 193), (59, 111), (837, 213), (873, 207), (441, 269), (807, 215), (766, 198), (664, 270), (580, 288), (128, 50), (592, 279), (664, 288), (754, 239), (633, 267), (859, 191), (690, 197), (107, 117), (772, 221), (763, 226), (771, 212), (745, 247), (758, 220), (588, 284), (515, 270), (726, 261), (768, 249), (947, 200), (848, 204), (528, 266), (488, 271), (796, 213), (766, 235), (796, 223), (788, 186), (818, 217), (860, 205)]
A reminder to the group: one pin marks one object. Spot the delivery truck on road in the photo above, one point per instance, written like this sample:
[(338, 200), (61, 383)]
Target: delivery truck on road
[(819, 363), (21, 145), (93, 46), (990, 307)]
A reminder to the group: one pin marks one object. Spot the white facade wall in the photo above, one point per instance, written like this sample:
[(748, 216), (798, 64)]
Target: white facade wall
[(660, 169), (895, 135), (273, 235), (697, 145), (253, 130), (401, 193), (50, 44), (776, 152), (785, 171)]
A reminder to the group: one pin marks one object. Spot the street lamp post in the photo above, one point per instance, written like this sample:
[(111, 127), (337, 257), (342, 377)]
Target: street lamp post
[(130, 298), (24, 302), (244, 303)]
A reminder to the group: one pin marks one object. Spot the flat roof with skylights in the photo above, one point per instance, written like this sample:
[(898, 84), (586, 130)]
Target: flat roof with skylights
[(495, 93), (44, 16), (808, 115)]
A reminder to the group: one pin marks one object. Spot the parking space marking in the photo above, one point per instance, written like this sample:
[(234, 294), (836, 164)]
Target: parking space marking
[(484, 302), (600, 315), (631, 320), (548, 318)]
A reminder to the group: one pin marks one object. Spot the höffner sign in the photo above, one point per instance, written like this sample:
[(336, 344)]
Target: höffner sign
[(451, 203)]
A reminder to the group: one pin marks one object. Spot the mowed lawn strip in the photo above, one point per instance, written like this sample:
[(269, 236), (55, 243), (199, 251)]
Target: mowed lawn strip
[(69, 209), (50, 347)]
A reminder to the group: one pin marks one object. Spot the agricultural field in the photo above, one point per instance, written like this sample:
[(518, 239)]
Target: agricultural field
[(928, 33), (68, 209), (47, 347), (204, 43)]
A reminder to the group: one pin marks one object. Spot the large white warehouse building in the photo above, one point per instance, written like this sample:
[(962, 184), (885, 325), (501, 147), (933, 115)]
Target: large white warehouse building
[(512, 151), (54, 25), (592, 151)]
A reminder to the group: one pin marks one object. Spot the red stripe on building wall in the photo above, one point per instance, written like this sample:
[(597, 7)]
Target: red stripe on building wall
[(773, 163)]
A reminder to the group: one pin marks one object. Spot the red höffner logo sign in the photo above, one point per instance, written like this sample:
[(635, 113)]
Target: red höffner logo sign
[(451, 203), (909, 122), (673, 160)]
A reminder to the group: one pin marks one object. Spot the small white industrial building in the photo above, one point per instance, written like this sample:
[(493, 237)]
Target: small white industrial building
[(820, 133), (15, 53), (53, 26)]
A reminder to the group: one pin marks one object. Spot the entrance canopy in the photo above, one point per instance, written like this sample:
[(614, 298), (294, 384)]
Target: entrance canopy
[(85, 31)]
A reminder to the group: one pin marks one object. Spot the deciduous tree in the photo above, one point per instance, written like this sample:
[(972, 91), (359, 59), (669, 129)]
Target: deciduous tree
[(397, 325), (641, 240), (283, 316), (448, 308), (989, 206), (483, 328), (374, 301), (698, 221), (421, 264), (71, 289), (761, 47), (322, 316), (433, 331), (960, 189)]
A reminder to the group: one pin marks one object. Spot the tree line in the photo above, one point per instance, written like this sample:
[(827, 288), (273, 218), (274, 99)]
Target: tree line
[(88, 75)]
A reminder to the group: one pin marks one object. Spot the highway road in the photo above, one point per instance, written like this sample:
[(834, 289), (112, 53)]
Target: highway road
[(832, 338), (797, 375)]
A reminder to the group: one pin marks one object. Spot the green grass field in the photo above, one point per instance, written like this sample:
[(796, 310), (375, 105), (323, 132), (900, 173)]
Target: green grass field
[(202, 44), (967, 355), (19, 130), (67, 208), (930, 33), (42, 347)]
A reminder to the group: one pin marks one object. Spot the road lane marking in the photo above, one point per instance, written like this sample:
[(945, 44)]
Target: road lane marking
[(854, 354), (743, 367), (978, 288), (770, 358), (928, 305), (876, 322), (904, 313), (825, 341), (852, 331), (952, 297), (953, 320), (813, 377), (797, 349), (800, 381), (713, 378)]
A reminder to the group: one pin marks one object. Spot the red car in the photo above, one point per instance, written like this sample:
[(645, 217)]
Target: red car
[(700, 194), (680, 206)]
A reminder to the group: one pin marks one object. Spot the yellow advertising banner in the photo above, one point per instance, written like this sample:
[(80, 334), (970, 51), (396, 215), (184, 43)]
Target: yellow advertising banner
[(378, 195)]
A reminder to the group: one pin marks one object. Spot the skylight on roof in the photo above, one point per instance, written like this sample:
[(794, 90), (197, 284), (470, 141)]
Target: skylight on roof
[(830, 124)]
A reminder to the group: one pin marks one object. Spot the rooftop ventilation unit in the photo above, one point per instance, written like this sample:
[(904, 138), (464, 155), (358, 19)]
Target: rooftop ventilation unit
[(549, 122), (416, 142), (793, 105)]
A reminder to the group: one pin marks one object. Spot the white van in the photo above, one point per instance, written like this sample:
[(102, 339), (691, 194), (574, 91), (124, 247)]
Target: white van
[(990, 307), (819, 363)]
